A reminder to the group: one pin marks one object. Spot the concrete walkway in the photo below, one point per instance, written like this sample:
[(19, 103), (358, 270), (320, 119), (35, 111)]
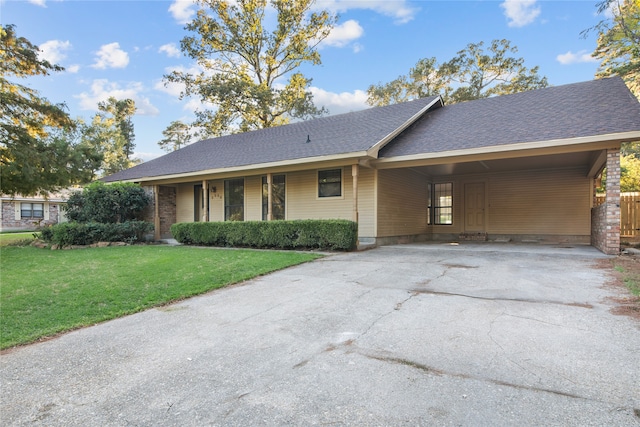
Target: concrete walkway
[(434, 335)]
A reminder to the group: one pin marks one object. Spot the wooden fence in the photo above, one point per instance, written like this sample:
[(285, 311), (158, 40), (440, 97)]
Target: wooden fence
[(629, 213)]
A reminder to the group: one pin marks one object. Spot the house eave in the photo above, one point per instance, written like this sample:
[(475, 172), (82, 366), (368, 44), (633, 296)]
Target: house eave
[(32, 200), (299, 164), (555, 146)]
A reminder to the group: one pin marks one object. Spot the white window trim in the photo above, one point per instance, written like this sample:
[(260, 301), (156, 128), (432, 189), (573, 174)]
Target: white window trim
[(244, 198), (342, 175), (18, 211), (286, 194)]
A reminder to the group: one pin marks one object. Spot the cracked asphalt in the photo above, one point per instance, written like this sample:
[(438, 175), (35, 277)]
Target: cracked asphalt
[(421, 334)]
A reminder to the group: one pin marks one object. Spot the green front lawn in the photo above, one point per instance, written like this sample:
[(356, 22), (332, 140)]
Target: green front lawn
[(10, 237), (45, 292)]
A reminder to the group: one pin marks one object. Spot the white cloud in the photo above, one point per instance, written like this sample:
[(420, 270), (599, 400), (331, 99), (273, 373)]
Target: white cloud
[(102, 89), (170, 49), (338, 103), (520, 12), (175, 89), (53, 50), (73, 69), (144, 156), (194, 104), (111, 56), (575, 58), (341, 35), (182, 10), (41, 3), (397, 9), (172, 89)]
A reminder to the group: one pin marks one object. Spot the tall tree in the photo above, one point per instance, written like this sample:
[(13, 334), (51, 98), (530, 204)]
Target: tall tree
[(176, 136), (37, 154), (629, 173), (111, 133), (424, 79), (244, 64), (472, 74), (618, 46), (121, 111)]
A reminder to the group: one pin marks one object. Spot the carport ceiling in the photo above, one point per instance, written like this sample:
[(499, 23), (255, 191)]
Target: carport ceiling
[(554, 161)]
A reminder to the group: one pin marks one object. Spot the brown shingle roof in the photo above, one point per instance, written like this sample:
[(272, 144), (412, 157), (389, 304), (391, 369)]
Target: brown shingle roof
[(597, 107), (332, 135)]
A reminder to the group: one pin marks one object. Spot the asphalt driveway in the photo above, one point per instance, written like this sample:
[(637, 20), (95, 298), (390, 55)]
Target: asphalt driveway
[(403, 335)]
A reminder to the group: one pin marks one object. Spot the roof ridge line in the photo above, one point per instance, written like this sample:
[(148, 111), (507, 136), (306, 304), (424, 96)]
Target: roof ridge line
[(375, 148)]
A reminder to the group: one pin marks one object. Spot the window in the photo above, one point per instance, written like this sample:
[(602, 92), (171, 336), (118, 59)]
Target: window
[(440, 208), (330, 183), (198, 202), (32, 210), (277, 197), (234, 199)]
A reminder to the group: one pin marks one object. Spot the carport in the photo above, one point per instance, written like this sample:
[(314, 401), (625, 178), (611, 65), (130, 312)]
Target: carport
[(510, 168)]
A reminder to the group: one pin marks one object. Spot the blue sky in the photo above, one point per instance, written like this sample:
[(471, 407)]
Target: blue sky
[(123, 48)]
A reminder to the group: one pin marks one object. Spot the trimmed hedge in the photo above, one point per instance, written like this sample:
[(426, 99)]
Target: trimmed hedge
[(74, 233), (334, 234)]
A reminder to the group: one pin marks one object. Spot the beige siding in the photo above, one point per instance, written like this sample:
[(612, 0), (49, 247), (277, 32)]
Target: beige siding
[(554, 202), (184, 203), (402, 203), (216, 200), (541, 202), (301, 198), (366, 202), (303, 201), (253, 198)]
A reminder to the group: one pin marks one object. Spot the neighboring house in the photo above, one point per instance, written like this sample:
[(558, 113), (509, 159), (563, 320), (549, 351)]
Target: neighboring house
[(28, 213), (518, 167)]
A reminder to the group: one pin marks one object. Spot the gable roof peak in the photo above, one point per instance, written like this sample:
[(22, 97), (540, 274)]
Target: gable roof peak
[(358, 133)]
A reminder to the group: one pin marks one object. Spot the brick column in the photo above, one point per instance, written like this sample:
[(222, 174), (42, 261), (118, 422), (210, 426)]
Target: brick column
[(611, 242), (156, 213)]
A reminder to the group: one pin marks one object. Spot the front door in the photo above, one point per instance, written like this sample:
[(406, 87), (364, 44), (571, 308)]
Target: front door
[(474, 207)]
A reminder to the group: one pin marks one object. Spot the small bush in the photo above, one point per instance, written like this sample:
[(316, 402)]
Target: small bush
[(46, 233), (74, 233), (302, 234)]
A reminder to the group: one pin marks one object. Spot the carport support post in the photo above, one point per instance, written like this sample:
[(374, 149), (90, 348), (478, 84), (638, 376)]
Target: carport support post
[(156, 212), (269, 201), (354, 174), (205, 201), (612, 216)]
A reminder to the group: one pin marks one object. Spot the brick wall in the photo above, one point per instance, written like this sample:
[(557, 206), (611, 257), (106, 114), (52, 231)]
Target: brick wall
[(167, 196), (598, 226), (605, 218), (9, 221), (167, 209)]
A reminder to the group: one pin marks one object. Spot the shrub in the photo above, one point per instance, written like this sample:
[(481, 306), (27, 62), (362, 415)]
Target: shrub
[(75, 233), (332, 234), (113, 203), (46, 233)]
